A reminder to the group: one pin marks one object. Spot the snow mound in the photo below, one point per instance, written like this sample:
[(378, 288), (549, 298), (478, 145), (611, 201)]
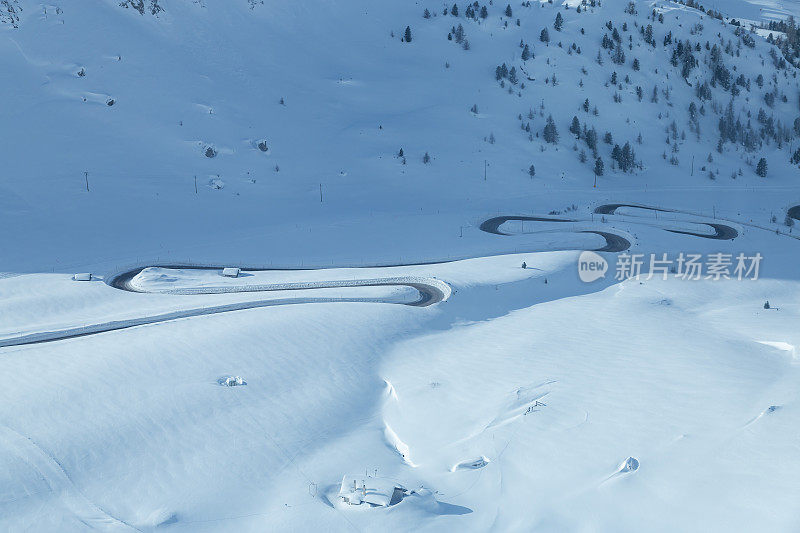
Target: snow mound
[(631, 464), (231, 381), (158, 518), (473, 464), (394, 442)]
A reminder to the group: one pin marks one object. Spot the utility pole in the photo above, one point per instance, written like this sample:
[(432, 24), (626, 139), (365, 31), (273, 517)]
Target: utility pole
[(86, 177), (692, 165), (195, 183), (484, 170), (320, 193)]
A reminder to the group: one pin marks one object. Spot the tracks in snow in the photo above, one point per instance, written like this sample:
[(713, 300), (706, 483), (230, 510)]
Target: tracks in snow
[(60, 483)]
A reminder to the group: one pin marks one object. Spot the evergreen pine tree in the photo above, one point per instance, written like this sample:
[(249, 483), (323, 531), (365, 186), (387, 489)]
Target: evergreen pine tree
[(544, 36), (559, 23), (509, 13), (616, 152), (619, 55), (598, 167), (591, 139), (761, 168), (550, 132), (575, 127), (407, 36)]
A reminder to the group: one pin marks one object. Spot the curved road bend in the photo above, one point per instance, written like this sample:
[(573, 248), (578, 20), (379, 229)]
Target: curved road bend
[(614, 242), (431, 291), (794, 212), (721, 231)]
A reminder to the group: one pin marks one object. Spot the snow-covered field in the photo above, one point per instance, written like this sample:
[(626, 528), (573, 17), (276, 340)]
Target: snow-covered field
[(379, 332), (759, 10)]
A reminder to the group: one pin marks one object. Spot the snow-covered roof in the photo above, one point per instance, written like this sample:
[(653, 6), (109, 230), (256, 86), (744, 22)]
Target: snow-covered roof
[(373, 490)]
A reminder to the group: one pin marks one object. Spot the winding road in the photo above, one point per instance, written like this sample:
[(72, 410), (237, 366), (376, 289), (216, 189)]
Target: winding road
[(431, 291), (721, 231), (794, 212), (614, 242)]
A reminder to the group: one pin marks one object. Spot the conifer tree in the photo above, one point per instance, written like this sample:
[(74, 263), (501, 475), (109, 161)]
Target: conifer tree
[(599, 167), (761, 168), (550, 132)]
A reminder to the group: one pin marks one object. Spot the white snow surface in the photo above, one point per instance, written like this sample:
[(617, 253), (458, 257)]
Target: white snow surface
[(522, 402)]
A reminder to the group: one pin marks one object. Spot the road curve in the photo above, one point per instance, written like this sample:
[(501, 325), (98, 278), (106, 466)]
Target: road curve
[(721, 231), (614, 242), (431, 291)]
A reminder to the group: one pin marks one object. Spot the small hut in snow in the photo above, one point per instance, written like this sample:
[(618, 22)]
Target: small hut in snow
[(377, 492)]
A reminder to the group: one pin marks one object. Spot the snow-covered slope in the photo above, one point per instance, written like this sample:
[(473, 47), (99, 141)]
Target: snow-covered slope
[(212, 74), (146, 140)]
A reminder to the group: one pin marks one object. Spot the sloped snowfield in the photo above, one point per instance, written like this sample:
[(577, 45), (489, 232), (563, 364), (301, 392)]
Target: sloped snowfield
[(383, 362), (516, 404)]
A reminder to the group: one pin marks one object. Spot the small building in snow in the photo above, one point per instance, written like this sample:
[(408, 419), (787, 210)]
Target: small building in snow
[(231, 272), (374, 491)]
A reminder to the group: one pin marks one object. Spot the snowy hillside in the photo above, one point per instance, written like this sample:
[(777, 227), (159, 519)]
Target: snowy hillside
[(205, 78), (380, 171)]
